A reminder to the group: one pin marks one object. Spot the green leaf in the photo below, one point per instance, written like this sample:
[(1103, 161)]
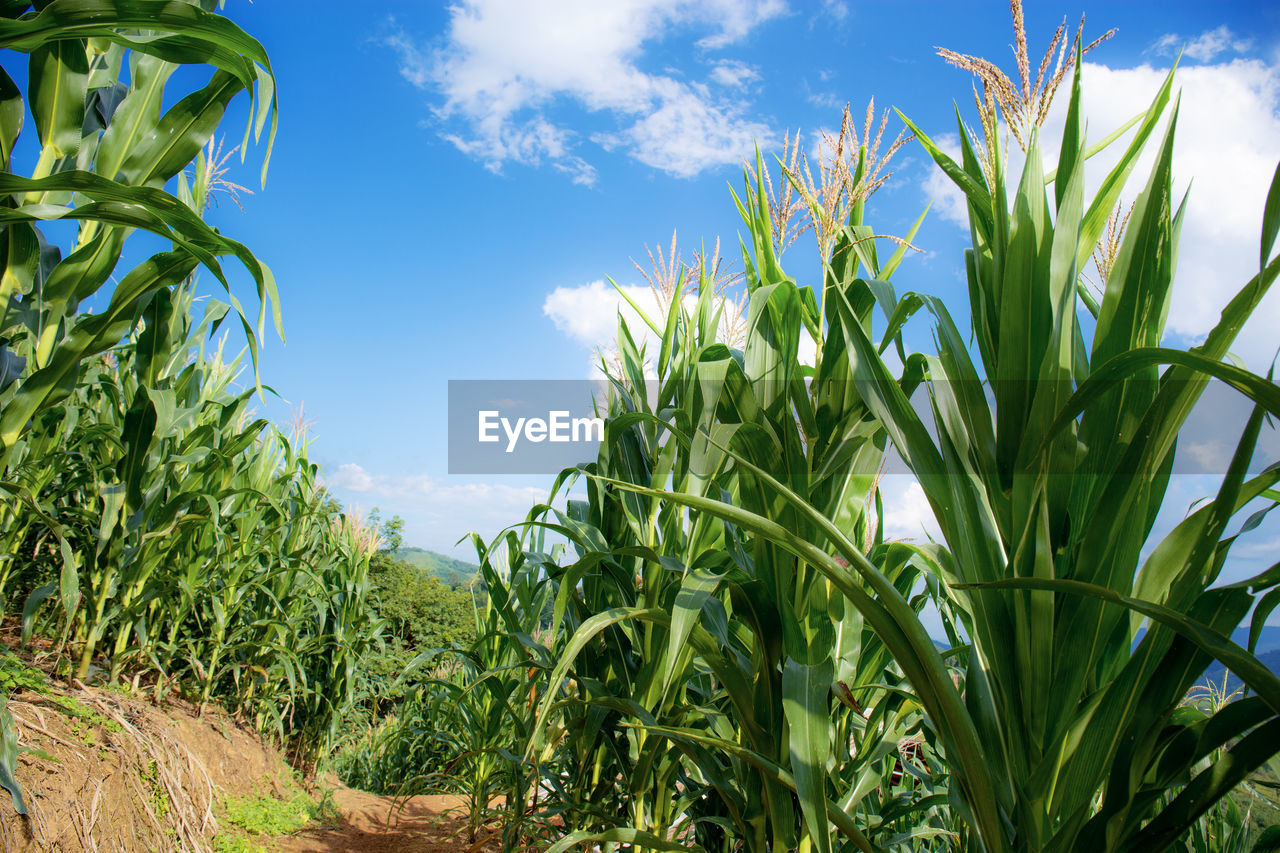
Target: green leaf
[(775, 773), (1270, 220), (12, 114), (1103, 379), (35, 598), (626, 835), (1095, 219), (1251, 671), (9, 758), (136, 115), (92, 334), (888, 615), (180, 133), (977, 194), (59, 75), (696, 588), (174, 31), (805, 701)]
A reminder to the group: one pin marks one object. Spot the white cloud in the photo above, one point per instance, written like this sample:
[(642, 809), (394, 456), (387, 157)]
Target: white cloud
[(415, 63), (734, 19), (507, 63), (686, 135), (1227, 142), (589, 313), (351, 478), (907, 514), (437, 513), (1264, 551), (815, 145), (734, 73), (1205, 47), (948, 199), (823, 100), (807, 351), (1210, 455)]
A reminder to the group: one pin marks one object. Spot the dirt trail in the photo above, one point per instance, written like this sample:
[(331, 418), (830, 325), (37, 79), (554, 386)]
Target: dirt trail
[(111, 770), (374, 824)]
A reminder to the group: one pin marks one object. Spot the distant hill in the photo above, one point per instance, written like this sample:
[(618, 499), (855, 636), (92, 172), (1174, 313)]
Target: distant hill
[(1268, 640), (1271, 660), (1268, 651), (451, 572)]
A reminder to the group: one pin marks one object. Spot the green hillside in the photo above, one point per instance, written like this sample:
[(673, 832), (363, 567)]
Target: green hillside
[(451, 572)]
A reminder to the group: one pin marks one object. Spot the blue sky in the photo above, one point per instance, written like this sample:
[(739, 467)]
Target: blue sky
[(449, 186)]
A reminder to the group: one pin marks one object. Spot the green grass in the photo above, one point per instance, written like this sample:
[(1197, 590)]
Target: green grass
[(236, 843), (155, 789), (1257, 798), (17, 675), (251, 823), (266, 815)]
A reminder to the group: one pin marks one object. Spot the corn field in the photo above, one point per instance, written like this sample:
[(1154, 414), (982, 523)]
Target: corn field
[(152, 528), (734, 657)]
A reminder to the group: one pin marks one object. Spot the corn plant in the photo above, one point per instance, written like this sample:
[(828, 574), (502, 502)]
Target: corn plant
[(493, 698), (107, 175), (709, 688), (1048, 462), (470, 707), (1226, 827), (206, 554), (106, 152)]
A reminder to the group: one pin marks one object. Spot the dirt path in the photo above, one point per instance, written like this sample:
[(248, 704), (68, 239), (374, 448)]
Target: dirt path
[(374, 824)]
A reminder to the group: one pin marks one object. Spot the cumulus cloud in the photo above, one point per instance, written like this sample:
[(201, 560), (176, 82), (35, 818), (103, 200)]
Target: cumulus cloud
[(1227, 141), (1205, 47), (438, 513), (685, 134), (588, 313), (506, 65), (351, 478)]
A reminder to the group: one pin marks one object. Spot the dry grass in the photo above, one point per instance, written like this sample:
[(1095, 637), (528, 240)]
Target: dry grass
[(108, 770)]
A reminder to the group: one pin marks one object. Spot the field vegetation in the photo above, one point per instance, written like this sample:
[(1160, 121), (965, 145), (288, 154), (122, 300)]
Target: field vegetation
[(726, 653), (153, 529)]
